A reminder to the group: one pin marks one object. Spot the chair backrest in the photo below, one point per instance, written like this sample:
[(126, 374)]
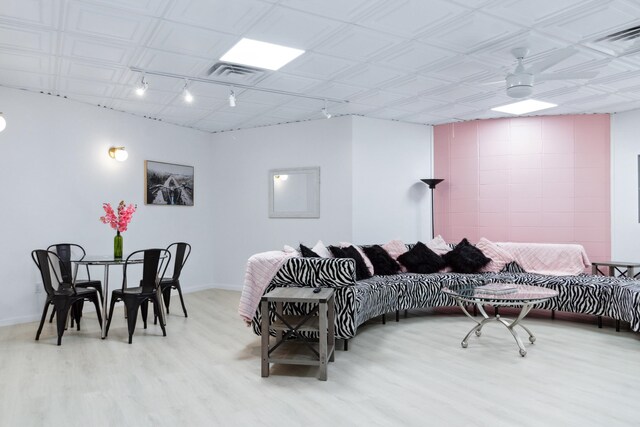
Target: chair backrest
[(67, 252), (44, 261), (183, 250), (154, 265)]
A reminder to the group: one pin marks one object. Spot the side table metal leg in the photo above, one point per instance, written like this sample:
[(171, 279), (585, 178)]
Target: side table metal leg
[(332, 329), (511, 327), (264, 311)]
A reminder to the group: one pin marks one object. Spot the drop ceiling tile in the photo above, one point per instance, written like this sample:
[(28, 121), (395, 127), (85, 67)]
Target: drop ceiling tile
[(415, 85), (335, 9), (143, 7), (232, 17), (369, 76), (167, 62), (471, 32), (266, 97), (351, 108), (616, 82), (98, 21), (289, 83), (247, 108), (318, 66), (34, 12), (419, 104), (357, 43), (40, 41), (460, 70), (291, 28), (90, 70), (378, 98), (27, 80), (210, 90), (409, 18), (294, 114), (307, 104), (266, 120), (595, 20), (185, 39), (412, 56), (530, 13), (86, 49), (388, 114), (336, 90), (25, 61)]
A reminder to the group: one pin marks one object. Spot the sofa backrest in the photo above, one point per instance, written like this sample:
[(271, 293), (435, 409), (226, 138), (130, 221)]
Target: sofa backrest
[(326, 272)]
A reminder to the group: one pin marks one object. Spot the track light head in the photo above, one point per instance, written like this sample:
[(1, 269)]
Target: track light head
[(188, 98), (142, 87), (326, 113), (232, 99)]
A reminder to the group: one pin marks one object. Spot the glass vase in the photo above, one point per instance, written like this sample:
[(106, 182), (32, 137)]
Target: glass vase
[(117, 246)]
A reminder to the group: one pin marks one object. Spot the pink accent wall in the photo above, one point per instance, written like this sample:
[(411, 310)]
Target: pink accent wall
[(527, 179)]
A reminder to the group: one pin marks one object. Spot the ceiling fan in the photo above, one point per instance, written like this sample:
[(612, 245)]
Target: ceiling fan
[(521, 81)]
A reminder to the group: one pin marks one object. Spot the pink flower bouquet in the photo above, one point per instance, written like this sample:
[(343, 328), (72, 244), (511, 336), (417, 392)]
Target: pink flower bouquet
[(121, 220)]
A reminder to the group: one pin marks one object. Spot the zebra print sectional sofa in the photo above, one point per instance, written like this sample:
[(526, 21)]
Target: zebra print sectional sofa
[(358, 301)]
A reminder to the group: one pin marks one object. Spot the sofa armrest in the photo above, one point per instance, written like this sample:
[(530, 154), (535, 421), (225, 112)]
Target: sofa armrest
[(316, 272)]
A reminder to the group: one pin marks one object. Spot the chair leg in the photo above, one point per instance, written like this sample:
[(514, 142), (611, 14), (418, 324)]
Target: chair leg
[(113, 304), (53, 314), (156, 309), (131, 306), (184, 309), (94, 299), (144, 309), (44, 317), (62, 310), (76, 313), (166, 296)]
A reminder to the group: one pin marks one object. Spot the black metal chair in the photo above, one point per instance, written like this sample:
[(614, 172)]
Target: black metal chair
[(154, 266), (182, 252), (63, 296), (67, 253)]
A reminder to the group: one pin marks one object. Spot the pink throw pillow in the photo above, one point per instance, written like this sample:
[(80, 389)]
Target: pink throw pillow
[(395, 248), (438, 245), (499, 257), (361, 252)]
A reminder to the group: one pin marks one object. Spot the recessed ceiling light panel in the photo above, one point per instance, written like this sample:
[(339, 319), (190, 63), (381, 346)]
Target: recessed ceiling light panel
[(261, 54), (524, 107)]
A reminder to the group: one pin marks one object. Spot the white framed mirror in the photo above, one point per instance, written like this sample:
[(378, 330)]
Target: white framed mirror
[(294, 193)]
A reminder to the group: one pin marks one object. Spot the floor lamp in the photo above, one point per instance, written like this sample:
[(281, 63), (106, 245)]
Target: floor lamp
[(432, 182)]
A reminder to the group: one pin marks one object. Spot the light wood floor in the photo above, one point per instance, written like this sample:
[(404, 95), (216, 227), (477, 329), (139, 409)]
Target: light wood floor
[(206, 372)]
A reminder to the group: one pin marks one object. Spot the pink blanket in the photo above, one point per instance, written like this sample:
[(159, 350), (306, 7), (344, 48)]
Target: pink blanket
[(548, 258), (260, 270)]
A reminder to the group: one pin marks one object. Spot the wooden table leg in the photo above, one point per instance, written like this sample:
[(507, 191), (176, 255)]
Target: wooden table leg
[(332, 329), (323, 341)]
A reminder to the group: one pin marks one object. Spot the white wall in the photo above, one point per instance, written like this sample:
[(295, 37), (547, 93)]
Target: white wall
[(389, 201), (56, 174), (241, 163), (625, 148)]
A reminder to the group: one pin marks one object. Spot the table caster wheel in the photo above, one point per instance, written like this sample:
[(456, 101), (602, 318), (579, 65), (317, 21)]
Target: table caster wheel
[(464, 344), (478, 333), (523, 353), (532, 339)]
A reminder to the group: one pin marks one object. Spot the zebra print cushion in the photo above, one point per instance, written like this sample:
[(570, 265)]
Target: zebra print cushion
[(357, 302)]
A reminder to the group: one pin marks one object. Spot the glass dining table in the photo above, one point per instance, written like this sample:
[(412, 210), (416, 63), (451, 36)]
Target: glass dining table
[(107, 261)]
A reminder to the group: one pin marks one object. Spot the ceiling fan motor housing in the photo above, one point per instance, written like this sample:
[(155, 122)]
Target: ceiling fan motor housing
[(519, 85)]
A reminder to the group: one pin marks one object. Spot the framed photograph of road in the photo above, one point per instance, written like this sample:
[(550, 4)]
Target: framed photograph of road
[(168, 184)]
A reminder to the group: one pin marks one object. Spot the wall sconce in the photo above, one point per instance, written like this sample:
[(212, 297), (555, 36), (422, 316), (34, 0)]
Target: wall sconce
[(118, 153), (3, 122)]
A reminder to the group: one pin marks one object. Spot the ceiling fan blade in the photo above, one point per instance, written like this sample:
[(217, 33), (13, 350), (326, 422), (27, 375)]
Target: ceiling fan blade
[(495, 82), (551, 60), (566, 76)]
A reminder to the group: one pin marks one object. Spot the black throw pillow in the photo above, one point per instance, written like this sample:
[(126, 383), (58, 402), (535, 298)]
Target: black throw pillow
[(362, 272), (382, 262), (307, 253), (421, 259), (466, 258)]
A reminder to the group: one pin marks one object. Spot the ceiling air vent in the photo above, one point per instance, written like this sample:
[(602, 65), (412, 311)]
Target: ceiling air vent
[(235, 73), (620, 43)]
